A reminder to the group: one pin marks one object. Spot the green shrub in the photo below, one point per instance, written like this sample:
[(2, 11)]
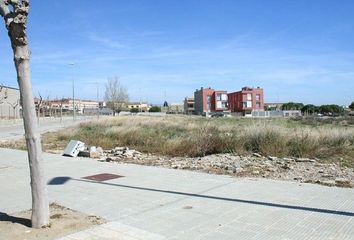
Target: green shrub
[(155, 109), (134, 110)]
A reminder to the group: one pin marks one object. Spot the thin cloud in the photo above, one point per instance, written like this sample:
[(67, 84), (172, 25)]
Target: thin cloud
[(106, 42)]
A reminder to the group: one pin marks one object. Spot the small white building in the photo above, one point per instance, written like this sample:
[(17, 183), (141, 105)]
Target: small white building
[(9, 102)]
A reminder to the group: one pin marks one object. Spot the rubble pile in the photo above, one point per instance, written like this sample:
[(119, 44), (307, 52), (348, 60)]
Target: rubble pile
[(121, 153), (295, 169)]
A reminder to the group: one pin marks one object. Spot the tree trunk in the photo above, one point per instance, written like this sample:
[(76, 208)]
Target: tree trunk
[(15, 13), (40, 206)]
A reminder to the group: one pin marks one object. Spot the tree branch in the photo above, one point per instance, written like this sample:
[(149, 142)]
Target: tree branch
[(15, 19), (4, 9)]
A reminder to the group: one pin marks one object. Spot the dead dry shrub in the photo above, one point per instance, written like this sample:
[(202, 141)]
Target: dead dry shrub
[(188, 136), (266, 140)]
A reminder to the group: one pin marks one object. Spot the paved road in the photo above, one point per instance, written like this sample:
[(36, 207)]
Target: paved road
[(176, 204), (10, 130)]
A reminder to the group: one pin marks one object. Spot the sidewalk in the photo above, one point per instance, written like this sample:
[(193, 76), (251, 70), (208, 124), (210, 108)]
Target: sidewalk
[(176, 204), (10, 130)]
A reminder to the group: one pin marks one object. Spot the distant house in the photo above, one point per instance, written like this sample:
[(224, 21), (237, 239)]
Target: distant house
[(189, 105), (176, 108), (66, 105), (246, 100), (9, 102), (142, 106), (209, 100), (273, 106), (292, 113)]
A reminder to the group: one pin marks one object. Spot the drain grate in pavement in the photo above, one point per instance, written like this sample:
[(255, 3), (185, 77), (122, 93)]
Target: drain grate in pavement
[(102, 177)]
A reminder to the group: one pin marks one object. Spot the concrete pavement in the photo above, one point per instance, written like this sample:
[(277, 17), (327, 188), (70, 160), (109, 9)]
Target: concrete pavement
[(13, 130), (156, 203)]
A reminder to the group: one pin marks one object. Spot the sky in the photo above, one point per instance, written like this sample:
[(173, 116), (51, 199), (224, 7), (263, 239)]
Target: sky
[(300, 51)]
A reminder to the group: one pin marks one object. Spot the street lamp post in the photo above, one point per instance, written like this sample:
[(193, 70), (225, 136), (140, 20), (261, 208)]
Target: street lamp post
[(73, 86)]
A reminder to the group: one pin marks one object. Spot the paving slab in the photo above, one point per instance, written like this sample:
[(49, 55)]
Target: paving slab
[(113, 231), (177, 204)]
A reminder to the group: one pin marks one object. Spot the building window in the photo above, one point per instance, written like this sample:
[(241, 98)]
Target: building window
[(258, 105), (244, 104), (258, 97), (249, 104), (218, 97), (249, 96), (223, 97), (224, 104), (218, 104)]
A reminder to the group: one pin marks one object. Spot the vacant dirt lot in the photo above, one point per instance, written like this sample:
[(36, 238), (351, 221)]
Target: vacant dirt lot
[(63, 221)]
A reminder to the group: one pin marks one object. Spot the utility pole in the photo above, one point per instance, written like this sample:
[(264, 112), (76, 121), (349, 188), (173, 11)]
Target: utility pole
[(73, 86), (97, 97), (61, 109), (98, 100)]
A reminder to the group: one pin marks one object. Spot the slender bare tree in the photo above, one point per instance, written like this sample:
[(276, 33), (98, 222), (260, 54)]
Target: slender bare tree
[(3, 93), (15, 13), (14, 106), (38, 106), (116, 95)]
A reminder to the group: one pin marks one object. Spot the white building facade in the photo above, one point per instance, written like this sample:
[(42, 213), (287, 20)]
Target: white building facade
[(9, 102)]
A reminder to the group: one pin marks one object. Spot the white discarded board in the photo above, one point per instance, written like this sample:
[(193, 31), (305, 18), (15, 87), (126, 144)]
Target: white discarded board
[(73, 148)]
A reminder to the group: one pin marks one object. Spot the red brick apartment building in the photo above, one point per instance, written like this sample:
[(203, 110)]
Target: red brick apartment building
[(210, 100), (246, 100)]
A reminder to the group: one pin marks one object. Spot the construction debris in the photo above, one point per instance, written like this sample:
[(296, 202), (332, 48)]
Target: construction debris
[(304, 170), (74, 148)]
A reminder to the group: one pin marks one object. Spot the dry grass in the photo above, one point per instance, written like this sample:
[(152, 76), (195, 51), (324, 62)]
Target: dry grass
[(194, 136)]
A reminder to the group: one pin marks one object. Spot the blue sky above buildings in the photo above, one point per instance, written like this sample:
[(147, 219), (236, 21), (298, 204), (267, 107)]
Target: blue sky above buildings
[(297, 50)]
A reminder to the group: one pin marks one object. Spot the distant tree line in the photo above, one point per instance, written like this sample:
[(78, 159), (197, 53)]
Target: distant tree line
[(351, 106), (329, 109), (152, 109), (155, 109)]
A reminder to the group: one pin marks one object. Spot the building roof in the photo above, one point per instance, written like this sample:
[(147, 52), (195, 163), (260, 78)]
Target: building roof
[(3, 86), (136, 103)]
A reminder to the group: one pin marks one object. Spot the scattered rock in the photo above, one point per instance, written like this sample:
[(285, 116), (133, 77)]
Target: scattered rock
[(342, 182), (99, 150), (272, 158), (286, 166), (109, 159), (329, 183), (257, 155), (117, 149), (85, 153), (305, 160), (327, 176)]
